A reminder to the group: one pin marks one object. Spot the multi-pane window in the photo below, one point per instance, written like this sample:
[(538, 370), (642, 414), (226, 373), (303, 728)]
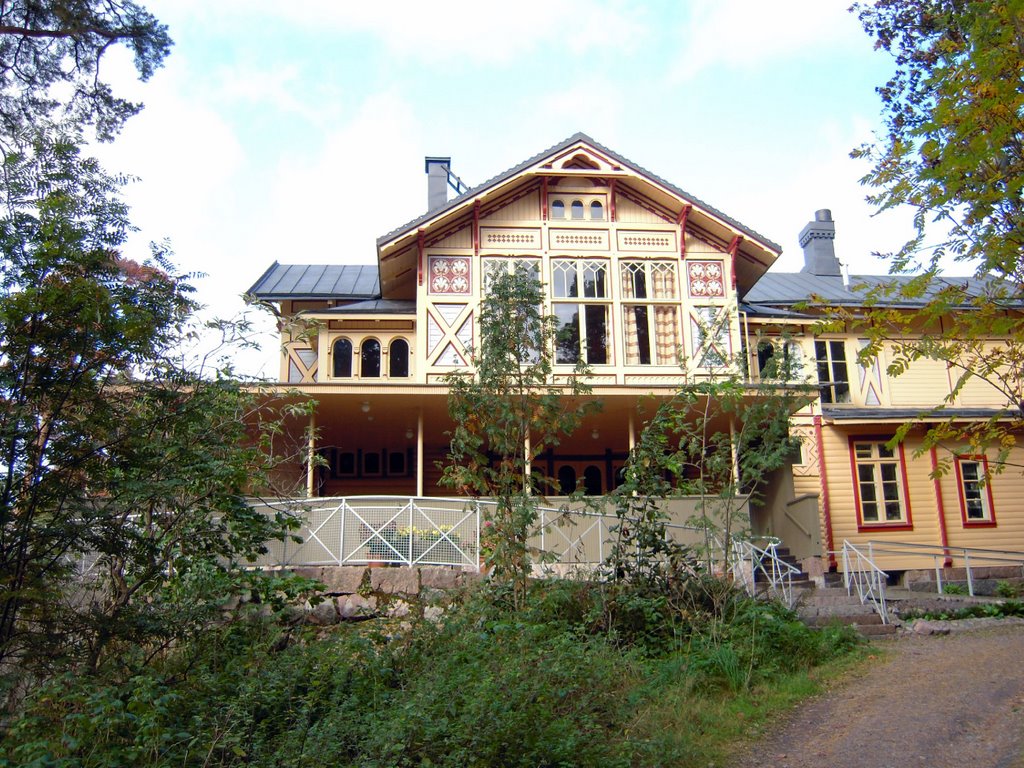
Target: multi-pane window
[(779, 359), (879, 478), (975, 492), (651, 330), (582, 325), (503, 265), (833, 376)]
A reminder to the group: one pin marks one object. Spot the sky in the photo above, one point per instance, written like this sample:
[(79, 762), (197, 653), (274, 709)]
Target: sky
[(296, 131)]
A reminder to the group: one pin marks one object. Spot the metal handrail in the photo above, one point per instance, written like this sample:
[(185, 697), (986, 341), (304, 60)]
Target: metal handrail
[(868, 578), (778, 574), (940, 552)]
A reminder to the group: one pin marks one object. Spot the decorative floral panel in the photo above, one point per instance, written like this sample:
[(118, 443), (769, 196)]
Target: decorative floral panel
[(706, 279), (450, 275)]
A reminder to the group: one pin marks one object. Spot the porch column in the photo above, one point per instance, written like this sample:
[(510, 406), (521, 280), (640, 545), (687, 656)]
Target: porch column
[(311, 467), (419, 453), (632, 432)]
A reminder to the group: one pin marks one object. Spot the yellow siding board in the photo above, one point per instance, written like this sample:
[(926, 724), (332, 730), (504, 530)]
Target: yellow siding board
[(924, 383), (628, 212), (526, 208)]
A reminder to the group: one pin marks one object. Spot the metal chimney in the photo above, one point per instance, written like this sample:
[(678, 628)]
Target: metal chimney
[(437, 181)]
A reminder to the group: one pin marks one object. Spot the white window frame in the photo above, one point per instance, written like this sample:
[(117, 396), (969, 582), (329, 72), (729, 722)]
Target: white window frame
[(872, 462)]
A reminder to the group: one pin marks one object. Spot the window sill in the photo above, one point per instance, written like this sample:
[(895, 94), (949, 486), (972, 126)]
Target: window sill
[(979, 523), (894, 526)]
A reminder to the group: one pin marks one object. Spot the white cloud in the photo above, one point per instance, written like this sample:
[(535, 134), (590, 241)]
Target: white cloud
[(330, 203), (745, 33), (443, 32)]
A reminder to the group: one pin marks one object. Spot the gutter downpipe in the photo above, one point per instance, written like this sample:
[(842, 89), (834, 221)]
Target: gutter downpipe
[(943, 535)]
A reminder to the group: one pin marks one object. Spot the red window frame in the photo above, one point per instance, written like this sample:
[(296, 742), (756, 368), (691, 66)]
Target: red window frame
[(862, 526), (990, 521)]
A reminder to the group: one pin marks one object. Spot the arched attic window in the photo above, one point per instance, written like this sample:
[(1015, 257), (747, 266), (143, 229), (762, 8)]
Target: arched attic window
[(557, 209), (577, 209), (398, 359), (369, 363), (596, 211), (342, 359)]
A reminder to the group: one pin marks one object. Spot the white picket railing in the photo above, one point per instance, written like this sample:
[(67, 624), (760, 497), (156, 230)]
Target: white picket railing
[(397, 530)]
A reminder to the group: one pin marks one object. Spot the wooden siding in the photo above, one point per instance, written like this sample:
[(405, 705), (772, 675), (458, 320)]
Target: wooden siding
[(1008, 504), (628, 212), (526, 208), (924, 383)]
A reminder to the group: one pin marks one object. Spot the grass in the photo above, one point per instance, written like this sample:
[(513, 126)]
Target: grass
[(688, 726)]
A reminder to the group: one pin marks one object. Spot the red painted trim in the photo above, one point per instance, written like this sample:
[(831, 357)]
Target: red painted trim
[(476, 228), (983, 460), (544, 199), (937, 482), (826, 507), (862, 527), (612, 217), (419, 261), (683, 216), (734, 247)]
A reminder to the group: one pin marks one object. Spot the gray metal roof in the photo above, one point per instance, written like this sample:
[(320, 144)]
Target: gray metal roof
[(373, 307), (576, 137), (853, 413), (318, 281), (795, 287), (760, 310)]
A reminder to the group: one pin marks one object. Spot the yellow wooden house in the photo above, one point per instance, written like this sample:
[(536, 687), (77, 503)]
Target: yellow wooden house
[(889, 501), (641, 275)]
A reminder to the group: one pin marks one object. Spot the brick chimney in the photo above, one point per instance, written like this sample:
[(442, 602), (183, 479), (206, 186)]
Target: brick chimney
[(817, 240), (437, 181)]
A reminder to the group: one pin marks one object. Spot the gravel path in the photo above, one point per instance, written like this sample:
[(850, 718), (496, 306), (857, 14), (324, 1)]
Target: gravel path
[(952, 700)]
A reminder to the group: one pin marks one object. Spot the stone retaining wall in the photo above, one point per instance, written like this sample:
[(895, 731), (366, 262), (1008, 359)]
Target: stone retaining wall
[(359, 593)]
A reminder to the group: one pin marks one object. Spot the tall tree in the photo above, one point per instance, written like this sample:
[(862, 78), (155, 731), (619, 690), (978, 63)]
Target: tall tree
[(507, 413), (954, 152), (112, 452), (51, 52)]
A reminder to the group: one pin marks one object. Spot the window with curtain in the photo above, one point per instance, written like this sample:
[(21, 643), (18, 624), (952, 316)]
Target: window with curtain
[(650, 327)]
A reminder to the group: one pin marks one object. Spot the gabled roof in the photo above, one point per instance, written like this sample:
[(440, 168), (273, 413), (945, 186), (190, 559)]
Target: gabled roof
[(576, 138), (787, 288), (318, 281)]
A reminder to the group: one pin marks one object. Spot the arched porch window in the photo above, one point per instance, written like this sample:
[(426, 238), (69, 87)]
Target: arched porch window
[(342, 358), (398, 362), (369, 364)]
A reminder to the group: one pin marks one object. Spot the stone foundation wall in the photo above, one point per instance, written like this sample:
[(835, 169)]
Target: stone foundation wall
[(359, 593), (985, 578)]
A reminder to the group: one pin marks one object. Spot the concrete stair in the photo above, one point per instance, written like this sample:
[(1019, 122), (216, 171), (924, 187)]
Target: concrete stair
[(799, 581), (831, 605)]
